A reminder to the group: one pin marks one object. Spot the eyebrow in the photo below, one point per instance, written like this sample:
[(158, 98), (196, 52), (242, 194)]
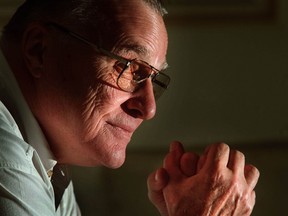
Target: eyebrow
[(140, 50), (134, 47)]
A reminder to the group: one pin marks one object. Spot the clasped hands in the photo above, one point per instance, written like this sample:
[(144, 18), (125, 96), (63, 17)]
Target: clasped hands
[(213, 184)]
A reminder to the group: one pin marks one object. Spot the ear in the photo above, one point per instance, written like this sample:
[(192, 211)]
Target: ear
[(33, 48)]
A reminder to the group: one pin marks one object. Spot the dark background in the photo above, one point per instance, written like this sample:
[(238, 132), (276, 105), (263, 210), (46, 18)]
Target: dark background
[(229, 69)]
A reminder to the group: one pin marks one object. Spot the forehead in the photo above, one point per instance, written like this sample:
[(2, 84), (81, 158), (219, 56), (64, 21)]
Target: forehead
[(138, 28)]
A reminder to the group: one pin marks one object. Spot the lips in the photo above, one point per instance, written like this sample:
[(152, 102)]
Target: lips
[(125, 127)]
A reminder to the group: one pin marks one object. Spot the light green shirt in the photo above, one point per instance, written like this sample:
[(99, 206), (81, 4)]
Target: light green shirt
[(25, 158)]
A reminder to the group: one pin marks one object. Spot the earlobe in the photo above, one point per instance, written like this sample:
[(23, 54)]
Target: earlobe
[(33, 47)]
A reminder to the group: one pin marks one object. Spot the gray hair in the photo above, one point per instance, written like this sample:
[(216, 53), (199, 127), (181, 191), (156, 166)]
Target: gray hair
[(86, 13)]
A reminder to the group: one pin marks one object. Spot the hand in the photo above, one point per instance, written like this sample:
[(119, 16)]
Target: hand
[(159, 179), (219, 183)]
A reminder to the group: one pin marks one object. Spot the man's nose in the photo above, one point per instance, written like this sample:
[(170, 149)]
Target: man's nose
[(142, 104)]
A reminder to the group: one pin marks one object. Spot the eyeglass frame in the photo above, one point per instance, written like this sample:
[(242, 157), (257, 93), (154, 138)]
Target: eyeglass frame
[(121, 59)]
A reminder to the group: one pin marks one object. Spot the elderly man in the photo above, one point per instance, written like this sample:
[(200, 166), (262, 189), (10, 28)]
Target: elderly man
[(77, 78)]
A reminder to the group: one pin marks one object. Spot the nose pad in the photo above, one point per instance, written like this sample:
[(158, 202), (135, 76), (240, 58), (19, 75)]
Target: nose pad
[(142, 103)]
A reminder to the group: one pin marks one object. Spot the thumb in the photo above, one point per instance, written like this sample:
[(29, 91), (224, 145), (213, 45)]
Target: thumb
[(156, 182)]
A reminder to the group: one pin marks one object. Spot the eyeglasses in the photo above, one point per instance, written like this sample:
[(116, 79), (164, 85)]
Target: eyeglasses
[(131, 73)]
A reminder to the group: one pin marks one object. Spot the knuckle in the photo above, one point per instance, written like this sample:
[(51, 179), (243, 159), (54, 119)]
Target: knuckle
[(222, 146), (217, 178), (254, 171), (243, 201), (218, 147), (247, 203), (239, 155)]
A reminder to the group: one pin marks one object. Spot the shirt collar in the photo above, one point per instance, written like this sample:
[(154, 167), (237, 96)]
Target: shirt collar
[(11, 96)]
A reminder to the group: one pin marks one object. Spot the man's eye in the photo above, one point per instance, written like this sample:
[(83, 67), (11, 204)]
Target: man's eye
[(137, 76), (119, 66)]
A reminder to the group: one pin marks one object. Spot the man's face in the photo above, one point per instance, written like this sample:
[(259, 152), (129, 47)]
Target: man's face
[(87, 119)]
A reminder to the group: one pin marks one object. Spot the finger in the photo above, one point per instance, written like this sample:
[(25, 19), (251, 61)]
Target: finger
[(177, 147), (188, 163), (236, 162), (217, 155), (251, 203), (253, 199), (158, 179), (201, 162), (252, 175), (156, 182), (172, 159)]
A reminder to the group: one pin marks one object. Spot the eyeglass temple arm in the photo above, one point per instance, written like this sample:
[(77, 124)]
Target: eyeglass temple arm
[(95, 47), (84, 40), (160, 84)]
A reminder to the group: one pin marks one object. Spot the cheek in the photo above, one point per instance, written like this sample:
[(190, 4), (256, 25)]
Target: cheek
[(102, 87), (101, 102)]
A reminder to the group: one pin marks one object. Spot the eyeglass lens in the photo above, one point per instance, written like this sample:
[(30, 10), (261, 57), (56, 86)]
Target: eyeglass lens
[(138, 71)]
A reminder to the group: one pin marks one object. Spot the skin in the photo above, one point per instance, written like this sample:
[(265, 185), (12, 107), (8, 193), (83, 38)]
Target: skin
[(217, 183), (89, 121), (71, 89)]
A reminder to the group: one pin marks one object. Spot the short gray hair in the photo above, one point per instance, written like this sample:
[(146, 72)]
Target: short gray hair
[(91, 13)]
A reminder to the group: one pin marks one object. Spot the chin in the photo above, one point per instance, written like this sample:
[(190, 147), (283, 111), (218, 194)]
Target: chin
[(115, 156), (116, 160), (112, 162), (108, 150)]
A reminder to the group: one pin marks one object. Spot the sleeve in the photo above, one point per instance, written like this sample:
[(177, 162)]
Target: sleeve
[(25, 189), (22, 193), (22, 190)]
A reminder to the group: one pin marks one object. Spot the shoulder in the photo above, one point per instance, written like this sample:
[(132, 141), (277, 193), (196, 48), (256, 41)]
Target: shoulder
[(22, 190), (7, 122), (13, 149)]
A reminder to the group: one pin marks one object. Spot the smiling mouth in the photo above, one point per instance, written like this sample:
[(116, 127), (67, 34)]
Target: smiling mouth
[(122, 128)]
